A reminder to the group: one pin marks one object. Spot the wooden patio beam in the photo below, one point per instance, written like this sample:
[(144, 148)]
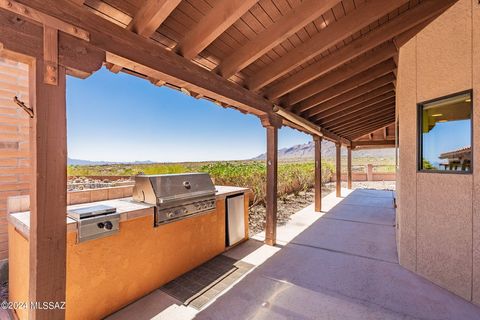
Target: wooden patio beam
[(372, 39), (372, 128), (356, 20), (151, 15), (309, 126), (275, 34), (365, 121), (354, 113), (340, 74), (370, 105), (360, 79), (379, 112), (24, 36), (318, 172), (312, 105), (367, 99), (409, 34), (385, 142), (212, 25), (121, 42), (367, 125)]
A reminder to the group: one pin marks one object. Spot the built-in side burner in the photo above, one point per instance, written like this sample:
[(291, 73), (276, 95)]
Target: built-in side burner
[(95, 221)]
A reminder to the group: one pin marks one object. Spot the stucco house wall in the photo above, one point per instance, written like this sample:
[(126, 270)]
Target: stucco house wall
[(438, 215)]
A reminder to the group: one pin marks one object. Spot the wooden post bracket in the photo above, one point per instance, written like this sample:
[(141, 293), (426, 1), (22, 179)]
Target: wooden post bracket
[(50, 55), (44, 19)]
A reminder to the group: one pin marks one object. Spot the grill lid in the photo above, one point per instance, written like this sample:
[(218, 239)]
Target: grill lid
[(166, 188)]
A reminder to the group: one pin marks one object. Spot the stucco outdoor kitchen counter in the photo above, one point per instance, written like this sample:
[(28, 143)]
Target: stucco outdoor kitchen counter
[(127, 208), (105, 274)]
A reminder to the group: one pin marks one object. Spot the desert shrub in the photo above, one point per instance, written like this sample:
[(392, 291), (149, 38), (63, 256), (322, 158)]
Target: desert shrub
[(293, 177)]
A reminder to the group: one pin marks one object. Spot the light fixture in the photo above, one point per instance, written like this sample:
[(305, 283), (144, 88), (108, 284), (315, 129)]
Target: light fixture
[(443, 120), (437, 115), (468, 100)]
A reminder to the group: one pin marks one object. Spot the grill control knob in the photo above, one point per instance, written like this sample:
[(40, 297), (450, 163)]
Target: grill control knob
[(101, 225), (108, 225), (170, 214)]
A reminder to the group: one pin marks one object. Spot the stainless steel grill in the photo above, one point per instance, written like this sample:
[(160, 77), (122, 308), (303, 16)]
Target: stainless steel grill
[(95, 221), (175, 196)]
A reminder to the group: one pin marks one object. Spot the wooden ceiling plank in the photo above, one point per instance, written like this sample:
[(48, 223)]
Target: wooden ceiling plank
[(354, 134), (327, 37), (361, 132), (119, 41), (396, 26), (212, 25), (379, 110), (385, 99), (356, 112), (341, 74), (379, 94), (275, 34), (384, 82), (151, 15), (351, 83), (348, 130), (374, 144), (407, 35), (385, 113), (358, 81)]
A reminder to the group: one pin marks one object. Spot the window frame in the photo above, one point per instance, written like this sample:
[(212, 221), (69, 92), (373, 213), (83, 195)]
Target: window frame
[(420, 135)]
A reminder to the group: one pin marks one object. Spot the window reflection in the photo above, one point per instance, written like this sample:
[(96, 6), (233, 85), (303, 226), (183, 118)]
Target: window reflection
[(446, 134)]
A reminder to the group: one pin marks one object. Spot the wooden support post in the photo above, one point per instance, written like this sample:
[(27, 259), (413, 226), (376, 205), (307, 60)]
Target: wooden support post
[(338, 169), (369, 172), (349, 167), (271, 123), (318, 173), (48, 193)]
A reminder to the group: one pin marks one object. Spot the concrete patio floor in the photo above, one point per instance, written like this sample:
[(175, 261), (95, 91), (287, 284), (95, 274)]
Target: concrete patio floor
[(338, 264)]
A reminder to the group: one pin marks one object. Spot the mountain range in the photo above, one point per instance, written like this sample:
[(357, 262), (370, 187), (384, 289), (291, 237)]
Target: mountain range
[(300, 151), (79, 162), (306, 151)]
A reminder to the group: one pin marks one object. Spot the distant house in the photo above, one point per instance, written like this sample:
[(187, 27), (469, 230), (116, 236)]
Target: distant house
[(457, 158)]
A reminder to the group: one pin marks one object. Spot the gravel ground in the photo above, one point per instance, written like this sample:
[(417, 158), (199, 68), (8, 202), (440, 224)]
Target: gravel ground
[(4, 291), (291, 204), (84, 183)]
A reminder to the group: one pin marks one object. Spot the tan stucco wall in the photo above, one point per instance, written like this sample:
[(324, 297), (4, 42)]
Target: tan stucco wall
[(438, 214)]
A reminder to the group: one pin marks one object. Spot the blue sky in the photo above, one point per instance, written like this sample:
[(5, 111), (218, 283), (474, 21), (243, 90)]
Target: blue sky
[(444, 137), (118, 117)]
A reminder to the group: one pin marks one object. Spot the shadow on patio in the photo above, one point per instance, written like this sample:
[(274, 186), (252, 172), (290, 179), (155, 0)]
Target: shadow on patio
[(339, 264)]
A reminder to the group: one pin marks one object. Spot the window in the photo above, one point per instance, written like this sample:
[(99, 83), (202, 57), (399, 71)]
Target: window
[(445, 134)]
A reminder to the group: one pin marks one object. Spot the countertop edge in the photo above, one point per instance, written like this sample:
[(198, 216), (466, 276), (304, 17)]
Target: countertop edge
[(18, 219)]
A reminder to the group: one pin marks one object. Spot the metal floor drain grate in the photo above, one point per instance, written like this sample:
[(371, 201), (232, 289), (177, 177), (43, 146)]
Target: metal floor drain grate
[(198, 287)]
